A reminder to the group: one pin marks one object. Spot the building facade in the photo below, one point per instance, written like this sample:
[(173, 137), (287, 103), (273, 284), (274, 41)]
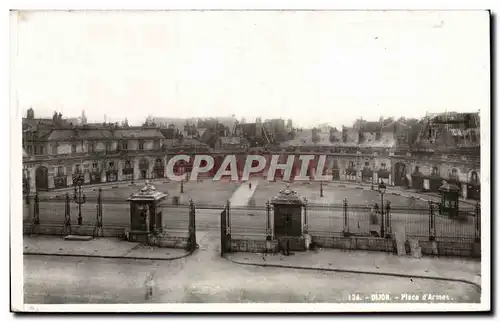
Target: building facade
[(54, 156)]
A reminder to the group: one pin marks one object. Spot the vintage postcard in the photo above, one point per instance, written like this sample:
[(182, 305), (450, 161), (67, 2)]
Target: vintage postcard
[(250, 161)]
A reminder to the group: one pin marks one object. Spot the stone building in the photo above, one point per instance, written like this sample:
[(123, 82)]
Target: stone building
[(447, 149)]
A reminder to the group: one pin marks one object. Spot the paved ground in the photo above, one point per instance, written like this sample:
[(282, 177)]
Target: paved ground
[(205, 277), (366, 261), (101, 247), (220, 191), (242, 195), (334, 192)]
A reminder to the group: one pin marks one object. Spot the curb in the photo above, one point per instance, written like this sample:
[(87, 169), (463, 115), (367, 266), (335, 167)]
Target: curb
[(108, 256), (338, 270)]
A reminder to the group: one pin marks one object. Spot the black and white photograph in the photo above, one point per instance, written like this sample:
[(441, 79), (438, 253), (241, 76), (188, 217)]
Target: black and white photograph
[(250, 160)]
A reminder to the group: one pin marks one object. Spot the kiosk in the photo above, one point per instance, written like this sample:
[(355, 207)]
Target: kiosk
[(145, 213), (288, 223)]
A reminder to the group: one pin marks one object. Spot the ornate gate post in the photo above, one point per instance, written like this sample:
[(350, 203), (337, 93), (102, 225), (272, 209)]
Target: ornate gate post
[(345, 230), (36, 214), (192, 227), (223, 231), (306, 225), (228, 218), (388, 225), (98, 225), (268, 221), (66, 230), (432, 222)]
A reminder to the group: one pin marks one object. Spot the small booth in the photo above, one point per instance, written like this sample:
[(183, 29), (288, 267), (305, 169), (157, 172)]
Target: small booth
[(145, 213), (288, 224), (449, 199)]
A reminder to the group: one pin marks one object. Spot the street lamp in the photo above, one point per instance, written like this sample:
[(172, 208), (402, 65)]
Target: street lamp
[(321, 189), (79, 197), (381, 188)]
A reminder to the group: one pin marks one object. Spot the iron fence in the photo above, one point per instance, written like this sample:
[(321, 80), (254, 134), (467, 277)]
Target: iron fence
[(256, 221)]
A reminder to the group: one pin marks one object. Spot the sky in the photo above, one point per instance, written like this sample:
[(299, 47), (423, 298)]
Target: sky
[(311, 66)]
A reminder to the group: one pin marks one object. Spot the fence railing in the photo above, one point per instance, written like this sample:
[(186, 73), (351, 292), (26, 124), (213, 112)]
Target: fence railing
[(341, 219)]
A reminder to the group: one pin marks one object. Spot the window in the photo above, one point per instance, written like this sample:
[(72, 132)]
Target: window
[(382, 165), (111, 164), (435, 171), (158, 163), (78, 169), (90, 147), (351, 164), (95, 167), (54, 149), (60, 171), (141, 145), (123, 145), (454, 173), (128, 164), (367, 164), (73, 148)]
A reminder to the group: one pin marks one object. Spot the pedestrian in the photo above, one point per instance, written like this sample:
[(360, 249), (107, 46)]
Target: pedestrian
[(250, 185), (149, 285)]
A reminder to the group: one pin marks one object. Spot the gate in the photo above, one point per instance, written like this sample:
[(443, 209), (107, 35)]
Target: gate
[(225, 233)]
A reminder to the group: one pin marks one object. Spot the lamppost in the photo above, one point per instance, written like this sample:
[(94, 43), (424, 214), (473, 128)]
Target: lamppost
[(321, 189), (79, 197), (381, 189)]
